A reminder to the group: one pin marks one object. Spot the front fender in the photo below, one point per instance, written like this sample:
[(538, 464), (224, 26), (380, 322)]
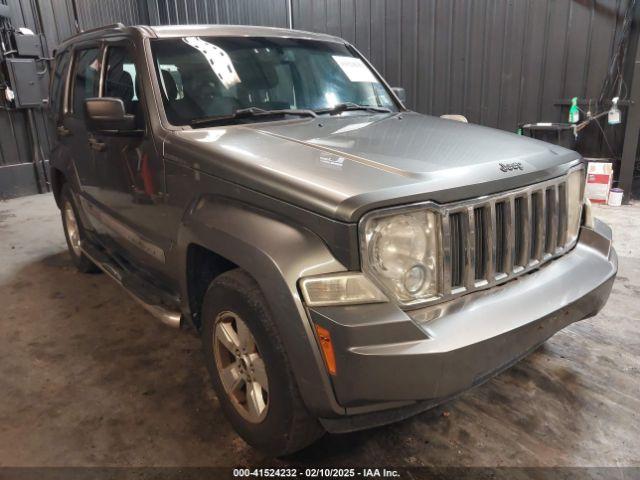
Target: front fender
[(276, 254)]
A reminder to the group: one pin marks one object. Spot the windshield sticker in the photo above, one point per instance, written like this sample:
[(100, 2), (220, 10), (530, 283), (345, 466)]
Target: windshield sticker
[(354, 69)]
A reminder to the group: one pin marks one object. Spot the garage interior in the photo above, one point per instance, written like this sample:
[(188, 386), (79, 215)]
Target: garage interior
[(89, 379)]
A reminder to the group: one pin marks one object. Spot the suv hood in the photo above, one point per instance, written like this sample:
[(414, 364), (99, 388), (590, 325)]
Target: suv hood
[(343, 166)]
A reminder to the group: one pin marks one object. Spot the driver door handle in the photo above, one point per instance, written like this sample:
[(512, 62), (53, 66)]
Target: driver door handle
[(96, 145), (63, 131)]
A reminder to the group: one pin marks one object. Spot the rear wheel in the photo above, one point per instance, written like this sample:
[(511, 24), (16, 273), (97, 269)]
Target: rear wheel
[(249, 368), (73, 232)]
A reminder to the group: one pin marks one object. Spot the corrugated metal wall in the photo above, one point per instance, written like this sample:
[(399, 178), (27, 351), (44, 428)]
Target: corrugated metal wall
[(499, 62), (17, 172), (94, 13), (239, 12)]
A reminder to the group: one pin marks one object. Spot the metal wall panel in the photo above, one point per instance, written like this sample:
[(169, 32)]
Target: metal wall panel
[(57, 21), (172, 12), (16, 138), (96, 13), (271, 13)]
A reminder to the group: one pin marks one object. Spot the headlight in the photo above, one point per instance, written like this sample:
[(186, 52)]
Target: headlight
[(575, 194), (347, 288), (401, 251)]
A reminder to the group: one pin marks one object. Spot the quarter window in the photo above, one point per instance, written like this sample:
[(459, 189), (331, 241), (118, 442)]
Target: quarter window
[(58, 81), (86, 78)]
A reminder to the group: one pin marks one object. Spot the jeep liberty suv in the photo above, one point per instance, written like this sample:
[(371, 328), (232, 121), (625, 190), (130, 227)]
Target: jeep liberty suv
[(347, 262)]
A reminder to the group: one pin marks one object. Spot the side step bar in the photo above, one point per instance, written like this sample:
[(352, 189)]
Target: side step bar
[(162, 313)]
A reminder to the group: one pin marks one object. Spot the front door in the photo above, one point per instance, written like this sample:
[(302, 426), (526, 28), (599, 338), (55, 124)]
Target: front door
[(130, 190)]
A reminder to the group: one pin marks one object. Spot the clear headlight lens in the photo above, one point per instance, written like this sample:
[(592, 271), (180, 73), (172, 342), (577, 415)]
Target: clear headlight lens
[(348, 288), (575, 194), (401, 252)]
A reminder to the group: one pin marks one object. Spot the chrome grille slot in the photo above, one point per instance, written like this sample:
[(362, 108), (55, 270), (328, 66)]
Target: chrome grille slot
[(480, 243), (492, 239), (537, 225), (519, 224), (501, 236), (562, 214), (458, 247), (551, 223)]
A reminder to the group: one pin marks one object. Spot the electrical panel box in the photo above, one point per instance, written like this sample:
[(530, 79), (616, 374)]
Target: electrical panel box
[(5, 11), (25, 82), (28, 45)]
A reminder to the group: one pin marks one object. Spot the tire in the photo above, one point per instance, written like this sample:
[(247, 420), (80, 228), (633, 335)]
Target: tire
[(234, 301), (73, 231)]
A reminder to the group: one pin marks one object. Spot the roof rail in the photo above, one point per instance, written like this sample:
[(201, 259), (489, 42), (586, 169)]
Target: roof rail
[(113, 26)]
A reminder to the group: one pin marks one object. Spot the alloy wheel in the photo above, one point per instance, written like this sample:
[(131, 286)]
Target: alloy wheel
[(73, 231), (240, 367)]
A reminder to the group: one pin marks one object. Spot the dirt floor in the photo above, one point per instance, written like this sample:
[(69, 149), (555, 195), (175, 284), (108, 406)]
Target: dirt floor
[(88, 378)]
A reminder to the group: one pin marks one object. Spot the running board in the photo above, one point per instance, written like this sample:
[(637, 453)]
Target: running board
[(162, 313)]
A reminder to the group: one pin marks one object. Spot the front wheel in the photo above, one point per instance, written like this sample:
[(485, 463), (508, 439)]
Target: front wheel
[(73, 232), (249, 368)]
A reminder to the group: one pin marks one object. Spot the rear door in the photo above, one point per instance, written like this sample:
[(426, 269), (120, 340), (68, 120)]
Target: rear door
[(60, 152), (57, 91)]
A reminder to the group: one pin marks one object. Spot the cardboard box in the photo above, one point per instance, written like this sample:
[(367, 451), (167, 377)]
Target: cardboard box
[(599, 178)]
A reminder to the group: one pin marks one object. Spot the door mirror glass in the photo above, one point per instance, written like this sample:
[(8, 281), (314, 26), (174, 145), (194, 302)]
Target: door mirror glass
[(400, 93), (107, 115)]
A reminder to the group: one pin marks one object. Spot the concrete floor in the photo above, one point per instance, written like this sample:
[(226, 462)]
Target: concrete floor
[(88, 378)]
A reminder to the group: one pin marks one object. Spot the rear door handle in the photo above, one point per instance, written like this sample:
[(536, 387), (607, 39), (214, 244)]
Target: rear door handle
[(96, 145), (63, 131)]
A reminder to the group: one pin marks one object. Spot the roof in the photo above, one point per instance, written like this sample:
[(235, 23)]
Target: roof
[(174, 31), (237, 30)]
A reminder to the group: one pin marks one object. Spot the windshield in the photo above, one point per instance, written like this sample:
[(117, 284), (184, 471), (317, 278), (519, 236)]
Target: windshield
[(203, 77)]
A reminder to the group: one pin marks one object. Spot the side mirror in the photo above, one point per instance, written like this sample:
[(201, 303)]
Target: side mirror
[(400, 93), (107, 115)]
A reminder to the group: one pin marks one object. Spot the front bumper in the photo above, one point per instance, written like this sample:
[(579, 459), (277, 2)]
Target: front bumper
[(405, 362)]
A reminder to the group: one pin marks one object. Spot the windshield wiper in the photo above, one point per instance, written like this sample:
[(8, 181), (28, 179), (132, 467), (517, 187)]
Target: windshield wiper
[(251, 112), (347, 106)]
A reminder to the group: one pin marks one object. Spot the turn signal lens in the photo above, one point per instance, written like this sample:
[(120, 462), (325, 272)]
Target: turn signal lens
[(588, 214), (347, 288), (324, 339)]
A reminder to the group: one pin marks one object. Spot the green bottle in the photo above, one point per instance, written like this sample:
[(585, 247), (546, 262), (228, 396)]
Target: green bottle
[(574, 111)]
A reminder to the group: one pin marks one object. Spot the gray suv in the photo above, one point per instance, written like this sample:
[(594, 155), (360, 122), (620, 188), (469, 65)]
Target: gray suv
[(347, 262)]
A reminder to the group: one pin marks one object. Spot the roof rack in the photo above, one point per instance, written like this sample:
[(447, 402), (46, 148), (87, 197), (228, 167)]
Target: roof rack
[(113, 26)]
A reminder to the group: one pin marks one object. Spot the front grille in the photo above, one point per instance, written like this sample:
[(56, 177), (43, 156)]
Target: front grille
[(493, 239)]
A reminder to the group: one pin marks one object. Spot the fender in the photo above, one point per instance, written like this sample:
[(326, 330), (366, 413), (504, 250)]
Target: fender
[(276, 254)]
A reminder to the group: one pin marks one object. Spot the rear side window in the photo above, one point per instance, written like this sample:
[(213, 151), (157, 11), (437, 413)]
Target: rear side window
[(86, 78), (58, 81)]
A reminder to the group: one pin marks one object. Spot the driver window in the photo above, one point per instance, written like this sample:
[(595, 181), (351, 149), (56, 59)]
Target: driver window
[(121, 79)]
